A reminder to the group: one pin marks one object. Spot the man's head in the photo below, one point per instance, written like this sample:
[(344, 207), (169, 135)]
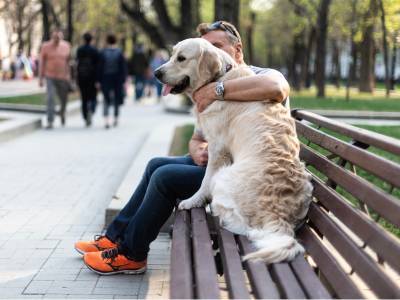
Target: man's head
[(57, 35), (224, 36), (87, 38), (111, 39)]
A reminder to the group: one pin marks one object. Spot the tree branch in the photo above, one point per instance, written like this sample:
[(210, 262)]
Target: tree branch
[(163, 16), (140, 20)]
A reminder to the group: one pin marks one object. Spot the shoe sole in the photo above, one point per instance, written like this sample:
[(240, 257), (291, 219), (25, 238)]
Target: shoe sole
[(79, 251), (127, 272)]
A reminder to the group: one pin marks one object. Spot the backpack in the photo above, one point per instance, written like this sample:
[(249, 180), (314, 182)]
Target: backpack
[(111, 59)]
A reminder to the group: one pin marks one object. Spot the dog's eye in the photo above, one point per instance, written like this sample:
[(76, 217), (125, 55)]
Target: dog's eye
[(181, 58)]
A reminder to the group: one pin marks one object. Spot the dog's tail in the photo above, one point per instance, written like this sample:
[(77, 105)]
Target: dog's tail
[(273, 247)]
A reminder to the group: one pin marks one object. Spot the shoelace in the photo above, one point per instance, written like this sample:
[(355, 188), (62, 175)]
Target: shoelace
[(110, 253), (98, 237)]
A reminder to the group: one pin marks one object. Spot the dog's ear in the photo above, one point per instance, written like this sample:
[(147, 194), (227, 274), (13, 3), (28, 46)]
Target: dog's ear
[(210, 65)]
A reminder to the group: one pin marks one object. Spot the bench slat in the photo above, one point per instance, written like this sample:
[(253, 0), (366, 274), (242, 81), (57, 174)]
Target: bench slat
[(386, 205), (373, 235), (372, 163), (231, 261), (308, 279), (335, 275), (359, 134), (286, 281), (181, 261), (205, 271), (261, 282), (361, 263)]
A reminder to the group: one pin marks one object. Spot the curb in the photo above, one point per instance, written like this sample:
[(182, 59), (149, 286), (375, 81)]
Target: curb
[(20, 123), (156, 144), (16, 125)]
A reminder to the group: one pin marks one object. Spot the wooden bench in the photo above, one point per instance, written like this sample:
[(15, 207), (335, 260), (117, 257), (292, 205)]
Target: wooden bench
[(348, 252)]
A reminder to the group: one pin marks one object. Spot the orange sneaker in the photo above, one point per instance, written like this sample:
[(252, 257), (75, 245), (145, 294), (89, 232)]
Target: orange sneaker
[(109, 262), (100, 243)]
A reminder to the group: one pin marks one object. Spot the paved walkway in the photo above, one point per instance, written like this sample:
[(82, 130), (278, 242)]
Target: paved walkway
[(54, 188), (20, 87)]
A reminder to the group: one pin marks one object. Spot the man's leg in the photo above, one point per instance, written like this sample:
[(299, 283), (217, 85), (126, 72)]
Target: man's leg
[(62, 87), (50, 102), (84, 100), (167, 184), (116, 229)]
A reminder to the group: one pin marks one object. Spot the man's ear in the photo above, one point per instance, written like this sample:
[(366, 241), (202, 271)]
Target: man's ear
[(239, 51), (209, 66)]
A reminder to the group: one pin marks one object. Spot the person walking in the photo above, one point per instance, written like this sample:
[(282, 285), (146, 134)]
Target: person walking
[(87, 58), (139, 64), (54, 67), (160, 57), (112, 74), (125, 246)]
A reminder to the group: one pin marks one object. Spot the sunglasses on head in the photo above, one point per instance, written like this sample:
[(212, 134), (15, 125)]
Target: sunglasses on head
[(220, 25)]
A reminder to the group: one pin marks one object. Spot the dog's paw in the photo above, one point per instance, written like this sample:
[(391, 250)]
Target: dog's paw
[(190, 203), (186, 204)]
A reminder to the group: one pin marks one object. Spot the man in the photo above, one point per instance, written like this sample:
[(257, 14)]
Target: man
[(112, 73), (139, 63), (87, 58), (125, 246), (54, 66)]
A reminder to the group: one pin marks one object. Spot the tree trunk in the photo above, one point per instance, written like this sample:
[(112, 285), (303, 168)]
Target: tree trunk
[(70, 25), (385, 48), (298, 60), (45, 20), (322, 28), (367, 68), (351, 74), (249, 36), (196, 12), (393, 69), (336, 70), (306, 73), (20, 7), (187, 15), (227, 10)]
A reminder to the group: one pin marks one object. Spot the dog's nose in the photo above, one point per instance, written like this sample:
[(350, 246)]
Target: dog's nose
[(158, 73)]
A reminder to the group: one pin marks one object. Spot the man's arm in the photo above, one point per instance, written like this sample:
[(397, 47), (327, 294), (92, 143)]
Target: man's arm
[(272, 86), (198, 149), (42, 65)]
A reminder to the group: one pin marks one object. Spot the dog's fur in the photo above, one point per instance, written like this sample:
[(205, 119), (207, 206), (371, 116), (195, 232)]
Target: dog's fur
[(257, 183)]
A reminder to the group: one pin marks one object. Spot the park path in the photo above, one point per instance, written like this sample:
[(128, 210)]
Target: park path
[(20, 87), (54, 188)]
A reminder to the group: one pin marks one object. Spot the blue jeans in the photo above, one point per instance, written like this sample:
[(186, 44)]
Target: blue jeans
[(165, 180)]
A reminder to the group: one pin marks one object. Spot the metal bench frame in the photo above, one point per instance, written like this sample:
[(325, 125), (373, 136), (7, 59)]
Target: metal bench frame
[(344, 243)]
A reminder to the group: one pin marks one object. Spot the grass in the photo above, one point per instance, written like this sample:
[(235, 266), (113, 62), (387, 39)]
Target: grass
[(180, 141), (34, 99), (183, 134), (335, 99)]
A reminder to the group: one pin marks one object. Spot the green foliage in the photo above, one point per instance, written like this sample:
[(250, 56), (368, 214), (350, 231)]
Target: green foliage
[(180, 142), (336, 99)]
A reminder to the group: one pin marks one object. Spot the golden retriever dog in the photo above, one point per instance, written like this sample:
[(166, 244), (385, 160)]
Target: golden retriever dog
[(254, 177)]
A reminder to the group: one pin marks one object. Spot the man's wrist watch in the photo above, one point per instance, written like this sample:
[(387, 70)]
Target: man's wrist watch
[(219, 90)]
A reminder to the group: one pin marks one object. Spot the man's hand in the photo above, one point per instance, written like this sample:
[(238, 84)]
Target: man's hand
[(199, 153), (198, 149), (204, 96), (41, 83)]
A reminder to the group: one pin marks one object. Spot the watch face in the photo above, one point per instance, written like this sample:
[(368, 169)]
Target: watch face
[(219, 89)]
